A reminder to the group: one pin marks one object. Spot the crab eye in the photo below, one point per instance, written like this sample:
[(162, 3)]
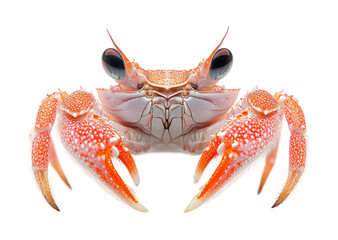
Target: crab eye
[(140, 86), (194, 86), (220, 64), (113, 63)]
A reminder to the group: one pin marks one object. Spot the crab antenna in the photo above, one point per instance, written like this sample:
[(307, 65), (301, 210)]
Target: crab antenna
[(118, 49), (213, 53), (222, 40)]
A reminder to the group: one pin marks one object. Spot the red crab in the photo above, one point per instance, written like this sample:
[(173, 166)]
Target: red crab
[(182, 107)]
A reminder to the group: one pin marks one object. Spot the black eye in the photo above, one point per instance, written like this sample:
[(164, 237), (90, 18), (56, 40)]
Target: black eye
[(194, 86), (113, 63), (140, 86), (220, 64)]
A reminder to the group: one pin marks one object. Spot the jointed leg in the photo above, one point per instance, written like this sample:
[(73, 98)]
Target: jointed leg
[(42, 146), (297, 147), (269, 163)]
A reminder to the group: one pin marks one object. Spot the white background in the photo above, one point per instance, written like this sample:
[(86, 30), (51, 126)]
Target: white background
[(291, 46)]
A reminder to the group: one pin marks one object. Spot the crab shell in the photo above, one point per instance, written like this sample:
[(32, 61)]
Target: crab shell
[(167, 104)]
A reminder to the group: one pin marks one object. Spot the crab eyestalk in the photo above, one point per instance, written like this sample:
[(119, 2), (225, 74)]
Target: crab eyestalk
[(118, 66), (214, 68)]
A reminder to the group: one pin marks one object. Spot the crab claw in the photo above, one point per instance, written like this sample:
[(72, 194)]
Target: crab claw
[(89, 138), (238, 143), (253, 132), (93, 142), (228, 166), (108, 174)]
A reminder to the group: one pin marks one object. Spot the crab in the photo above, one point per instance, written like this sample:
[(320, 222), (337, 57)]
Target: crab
[(182, 107)]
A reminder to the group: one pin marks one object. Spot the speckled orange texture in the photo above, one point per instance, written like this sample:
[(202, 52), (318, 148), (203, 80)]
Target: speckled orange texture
[(78, 103), (40, 151), (262, 101), (243, 139), (47, 112), (251, 133), (42, 144), (89, 138), (294, 115), (167, 78), (249, 130)]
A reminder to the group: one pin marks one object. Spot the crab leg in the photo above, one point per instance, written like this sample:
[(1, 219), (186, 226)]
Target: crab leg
[(54, 160), (269, 163), (297, 154), (42, 145)]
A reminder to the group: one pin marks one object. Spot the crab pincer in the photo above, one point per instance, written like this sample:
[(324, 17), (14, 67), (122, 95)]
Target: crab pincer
[(90, 140), (252, 133)]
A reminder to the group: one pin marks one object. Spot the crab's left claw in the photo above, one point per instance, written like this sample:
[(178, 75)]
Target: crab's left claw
[(249, 135), (229, 165)]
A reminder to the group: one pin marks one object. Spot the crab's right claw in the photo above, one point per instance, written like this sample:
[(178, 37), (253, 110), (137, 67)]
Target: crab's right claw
[(94, 148), (108, 174), (242, 140), (93, 142)]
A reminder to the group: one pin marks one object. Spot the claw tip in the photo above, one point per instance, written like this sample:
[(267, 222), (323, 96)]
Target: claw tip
[(197, 177), (195, 203), (139, 207), (136, 179)]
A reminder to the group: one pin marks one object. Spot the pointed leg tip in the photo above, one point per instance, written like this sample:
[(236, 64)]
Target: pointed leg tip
[(50, 200), (265, 175), (284, 194), (277, 203), (55, 207), (56, 165), (261, 185), (68, 185), (290, 184), (42, 180)]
